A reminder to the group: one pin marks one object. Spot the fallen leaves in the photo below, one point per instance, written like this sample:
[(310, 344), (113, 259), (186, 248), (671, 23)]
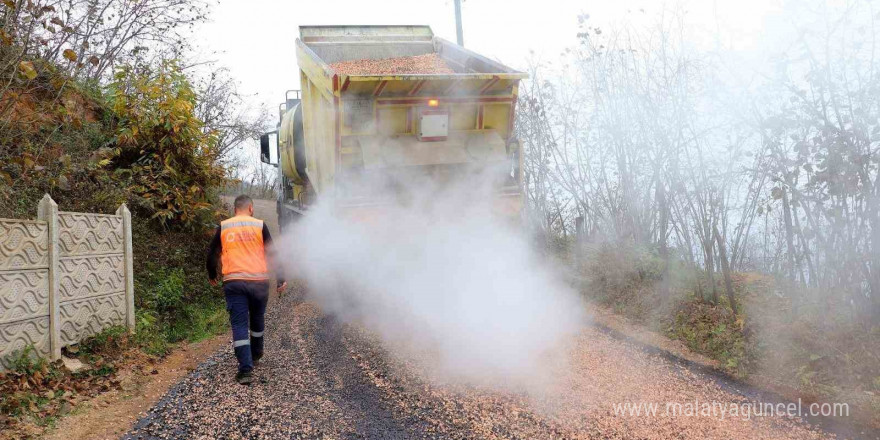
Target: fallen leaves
[(42, 390)]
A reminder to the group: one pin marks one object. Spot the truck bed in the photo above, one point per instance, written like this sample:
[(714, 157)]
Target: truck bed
[(330, 45), (382, 100)]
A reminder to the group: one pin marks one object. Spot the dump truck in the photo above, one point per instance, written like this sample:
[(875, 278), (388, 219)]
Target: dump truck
[(361, 126)]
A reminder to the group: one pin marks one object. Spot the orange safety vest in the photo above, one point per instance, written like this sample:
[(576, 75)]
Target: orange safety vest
[(242, 253)]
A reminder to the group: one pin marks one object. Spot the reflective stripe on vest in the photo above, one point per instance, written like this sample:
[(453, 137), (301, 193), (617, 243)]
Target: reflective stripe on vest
[(243, 255)]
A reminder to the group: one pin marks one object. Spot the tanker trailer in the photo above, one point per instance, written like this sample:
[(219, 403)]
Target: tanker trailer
[(382, 105)]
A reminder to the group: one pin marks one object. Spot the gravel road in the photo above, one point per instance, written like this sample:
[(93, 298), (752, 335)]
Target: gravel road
[(325, 379)]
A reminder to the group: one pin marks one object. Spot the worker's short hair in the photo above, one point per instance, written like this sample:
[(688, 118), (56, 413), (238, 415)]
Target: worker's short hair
[(242, 202)]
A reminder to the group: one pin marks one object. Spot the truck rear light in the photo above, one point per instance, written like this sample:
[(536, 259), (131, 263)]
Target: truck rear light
[(433, 125)]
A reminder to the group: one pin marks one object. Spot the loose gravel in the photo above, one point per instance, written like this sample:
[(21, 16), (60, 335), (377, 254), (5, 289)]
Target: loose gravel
[(419, 64), (324, 379)]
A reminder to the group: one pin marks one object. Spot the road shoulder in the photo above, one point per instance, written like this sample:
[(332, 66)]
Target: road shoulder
[(111, 414)]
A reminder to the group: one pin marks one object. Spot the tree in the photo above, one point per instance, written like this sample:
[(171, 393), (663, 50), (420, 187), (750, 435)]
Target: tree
[(223, 110), (162, 153), (92, 37)]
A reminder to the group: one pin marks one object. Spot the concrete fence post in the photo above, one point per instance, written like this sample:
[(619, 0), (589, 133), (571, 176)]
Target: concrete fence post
[(129, 266), (48, 212)]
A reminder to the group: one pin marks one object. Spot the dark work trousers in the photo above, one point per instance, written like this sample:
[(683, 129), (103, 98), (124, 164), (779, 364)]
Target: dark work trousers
[(246, 304)]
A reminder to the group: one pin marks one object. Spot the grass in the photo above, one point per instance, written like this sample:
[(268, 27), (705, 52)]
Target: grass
[(706, 329), (173, 300), (162, 316)]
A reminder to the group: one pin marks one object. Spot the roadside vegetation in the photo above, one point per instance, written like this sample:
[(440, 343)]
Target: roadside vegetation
[(732, 206), (96, 118)]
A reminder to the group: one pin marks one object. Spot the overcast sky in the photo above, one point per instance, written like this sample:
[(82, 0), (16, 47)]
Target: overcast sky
[(255, 38)]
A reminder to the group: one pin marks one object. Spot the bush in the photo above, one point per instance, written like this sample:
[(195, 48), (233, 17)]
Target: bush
[(626, 278), (162, 154), (173, 300), (52, 125), (713, 331), (166, 293)]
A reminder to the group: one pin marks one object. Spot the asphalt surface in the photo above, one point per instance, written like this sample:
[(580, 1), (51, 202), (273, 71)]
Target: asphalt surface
[(322, 378)]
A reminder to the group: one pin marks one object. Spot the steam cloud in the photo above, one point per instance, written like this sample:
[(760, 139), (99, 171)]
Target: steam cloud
[(439, 273)]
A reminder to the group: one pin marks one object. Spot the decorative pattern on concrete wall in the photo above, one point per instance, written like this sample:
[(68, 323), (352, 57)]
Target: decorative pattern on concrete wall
[(91, 276), (23, 244), (63, 278), (88, 234), (82, 277), (24, 287), (24, 295), (87, 317)]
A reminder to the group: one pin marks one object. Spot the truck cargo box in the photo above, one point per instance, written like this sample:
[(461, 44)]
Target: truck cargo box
[(458, 110)]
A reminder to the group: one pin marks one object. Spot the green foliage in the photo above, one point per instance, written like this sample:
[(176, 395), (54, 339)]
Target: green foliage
[(166, 294), (111, 340), (177, 308), (199, 321), (27, 361), (173, 300), (711, 330), (163, 155)]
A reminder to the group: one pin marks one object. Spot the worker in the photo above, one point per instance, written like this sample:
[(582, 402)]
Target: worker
[(240, 245)]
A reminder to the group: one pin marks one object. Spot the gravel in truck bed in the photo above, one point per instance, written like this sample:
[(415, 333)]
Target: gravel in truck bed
[(419, 64)]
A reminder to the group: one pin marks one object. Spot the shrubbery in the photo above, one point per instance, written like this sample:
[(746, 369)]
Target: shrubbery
[(174, 301), (162, 153)]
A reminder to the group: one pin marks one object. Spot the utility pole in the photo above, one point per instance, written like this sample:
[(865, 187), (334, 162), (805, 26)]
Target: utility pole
[(458, 32)]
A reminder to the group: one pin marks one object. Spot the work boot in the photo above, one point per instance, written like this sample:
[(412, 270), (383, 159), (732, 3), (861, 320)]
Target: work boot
[(244, 377), (257, 357)]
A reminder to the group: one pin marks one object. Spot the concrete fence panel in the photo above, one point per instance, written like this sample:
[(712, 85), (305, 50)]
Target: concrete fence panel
[(63, 278), (24, 287)]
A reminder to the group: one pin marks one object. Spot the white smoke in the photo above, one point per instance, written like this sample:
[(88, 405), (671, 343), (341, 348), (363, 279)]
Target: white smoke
[(440, 274)]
